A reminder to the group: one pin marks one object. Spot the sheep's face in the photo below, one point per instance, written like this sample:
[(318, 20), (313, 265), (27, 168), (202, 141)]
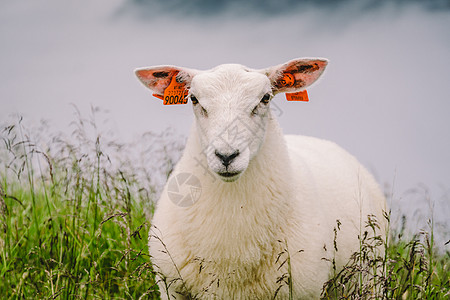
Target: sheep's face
[(231, 105)]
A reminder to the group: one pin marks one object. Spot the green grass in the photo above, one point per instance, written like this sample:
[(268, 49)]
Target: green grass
[(74, 221), (73, 224), (392, 268)]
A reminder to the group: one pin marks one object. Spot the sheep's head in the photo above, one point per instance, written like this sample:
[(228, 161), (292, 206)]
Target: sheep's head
[(231, 104)]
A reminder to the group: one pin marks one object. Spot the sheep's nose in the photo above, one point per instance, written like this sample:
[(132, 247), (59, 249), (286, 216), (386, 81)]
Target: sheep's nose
[(227, 158)]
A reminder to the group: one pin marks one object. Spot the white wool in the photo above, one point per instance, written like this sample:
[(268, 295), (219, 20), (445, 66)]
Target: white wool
[(233, 242)]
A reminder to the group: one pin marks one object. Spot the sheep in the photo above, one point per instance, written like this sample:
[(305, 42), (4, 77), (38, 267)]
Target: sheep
[(262, 206)]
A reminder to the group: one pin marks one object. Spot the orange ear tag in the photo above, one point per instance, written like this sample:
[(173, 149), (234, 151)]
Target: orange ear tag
[(158, 96), (299, 96), (175, 93)]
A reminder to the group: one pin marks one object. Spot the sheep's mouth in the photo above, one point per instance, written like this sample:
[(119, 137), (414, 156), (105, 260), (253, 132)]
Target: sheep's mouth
[(229, 176)]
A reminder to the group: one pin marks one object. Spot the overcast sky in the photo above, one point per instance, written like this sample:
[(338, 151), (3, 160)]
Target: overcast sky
[(385, 96)]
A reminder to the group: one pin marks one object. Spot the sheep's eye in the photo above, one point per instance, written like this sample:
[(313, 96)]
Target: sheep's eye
[(194, 100), (265, 99)]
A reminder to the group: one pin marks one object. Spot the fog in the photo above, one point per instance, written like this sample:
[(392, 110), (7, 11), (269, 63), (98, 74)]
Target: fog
[(385, 95)]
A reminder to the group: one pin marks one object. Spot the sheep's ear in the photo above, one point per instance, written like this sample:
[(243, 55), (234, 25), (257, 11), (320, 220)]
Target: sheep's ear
[(296, 75), (159, 78)]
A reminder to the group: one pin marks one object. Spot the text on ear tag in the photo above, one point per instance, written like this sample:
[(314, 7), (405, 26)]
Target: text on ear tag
[(175, 93), (299, 96)]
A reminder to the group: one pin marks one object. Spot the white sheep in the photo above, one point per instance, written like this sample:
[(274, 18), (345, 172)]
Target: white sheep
[(256, 197)]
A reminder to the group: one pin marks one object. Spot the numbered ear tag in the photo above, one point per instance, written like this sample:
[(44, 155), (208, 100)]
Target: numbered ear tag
[(175, 93), (299, 96)]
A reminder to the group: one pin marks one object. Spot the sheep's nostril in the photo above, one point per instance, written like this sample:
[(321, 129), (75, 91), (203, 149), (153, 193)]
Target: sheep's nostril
[(227, 158)]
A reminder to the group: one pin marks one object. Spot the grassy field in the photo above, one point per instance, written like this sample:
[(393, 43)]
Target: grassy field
[(74, 220)]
